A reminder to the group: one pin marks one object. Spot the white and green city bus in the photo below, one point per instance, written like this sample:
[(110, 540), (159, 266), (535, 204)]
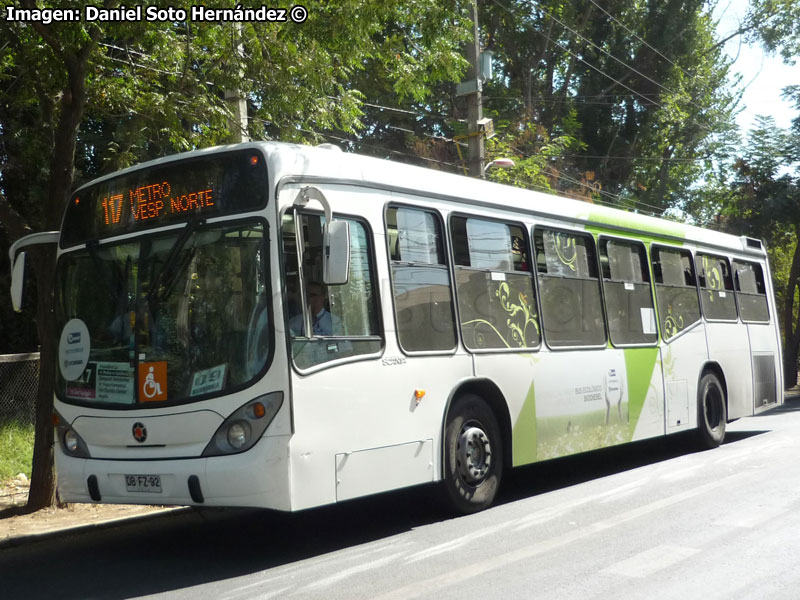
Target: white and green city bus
[(455, 328)]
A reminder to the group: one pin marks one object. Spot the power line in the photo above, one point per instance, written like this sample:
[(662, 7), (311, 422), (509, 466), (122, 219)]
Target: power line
[(658, 158), (621, 24), (626, 65), (586, 62), (410, 112), (455, 166), (367, 145)]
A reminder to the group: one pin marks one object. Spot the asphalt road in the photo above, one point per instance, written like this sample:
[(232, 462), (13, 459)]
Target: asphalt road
[(652, 520)]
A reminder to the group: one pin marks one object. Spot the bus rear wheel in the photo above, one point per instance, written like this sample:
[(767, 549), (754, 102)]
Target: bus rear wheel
[(473, 455), (712, 415)]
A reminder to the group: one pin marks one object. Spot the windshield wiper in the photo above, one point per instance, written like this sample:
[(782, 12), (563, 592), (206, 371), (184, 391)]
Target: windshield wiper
[(167, 271)]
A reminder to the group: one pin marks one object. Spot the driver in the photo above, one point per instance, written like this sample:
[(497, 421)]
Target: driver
[(322, 321)]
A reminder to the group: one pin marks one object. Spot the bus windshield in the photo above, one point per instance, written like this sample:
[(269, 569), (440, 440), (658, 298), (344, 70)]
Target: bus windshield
[(173, 317)]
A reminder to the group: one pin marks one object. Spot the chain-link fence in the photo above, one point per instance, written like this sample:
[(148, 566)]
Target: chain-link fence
[(19, 376)]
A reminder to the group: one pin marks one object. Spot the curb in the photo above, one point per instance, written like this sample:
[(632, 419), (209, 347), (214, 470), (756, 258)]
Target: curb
[(42, 536)]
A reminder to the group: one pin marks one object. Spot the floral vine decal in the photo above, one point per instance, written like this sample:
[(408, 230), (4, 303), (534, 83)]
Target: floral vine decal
[(565, 250), (672, 325), (520, 318)]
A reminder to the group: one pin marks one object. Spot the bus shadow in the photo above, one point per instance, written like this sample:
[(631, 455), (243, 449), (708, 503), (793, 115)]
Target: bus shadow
[(199, 547)]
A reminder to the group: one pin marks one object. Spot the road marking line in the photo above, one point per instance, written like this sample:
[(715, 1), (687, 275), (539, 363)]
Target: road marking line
[(651, 561), (683, 473), (547, 514), (274, 594), (456, 543), (428, 587), (753, 517), (289, 570), (328, 581)]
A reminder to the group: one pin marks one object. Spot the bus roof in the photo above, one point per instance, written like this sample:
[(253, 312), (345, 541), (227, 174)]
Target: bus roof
[(296, 162)]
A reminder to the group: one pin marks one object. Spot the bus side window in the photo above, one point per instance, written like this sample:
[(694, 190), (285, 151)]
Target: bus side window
[(751, 292), (716, 287), (572, 311), (494, 287), (629, 298), (420, 280), (343, 318), (676, 290)]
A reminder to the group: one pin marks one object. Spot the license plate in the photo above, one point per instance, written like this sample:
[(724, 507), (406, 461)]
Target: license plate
[(143, 483)]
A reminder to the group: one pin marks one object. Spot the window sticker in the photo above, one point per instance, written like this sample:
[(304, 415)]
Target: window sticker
[(114, 382), (153, 381), (209, 380), (648, 321), (84, 386), (73, 349)]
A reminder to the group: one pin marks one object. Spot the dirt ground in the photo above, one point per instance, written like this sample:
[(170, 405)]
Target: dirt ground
[(14, 495)]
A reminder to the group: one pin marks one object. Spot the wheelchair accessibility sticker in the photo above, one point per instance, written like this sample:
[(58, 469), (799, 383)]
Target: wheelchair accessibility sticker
[(153, 381)]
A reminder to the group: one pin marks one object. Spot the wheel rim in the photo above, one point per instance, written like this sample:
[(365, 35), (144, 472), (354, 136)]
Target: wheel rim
[(713, 407), (473, 454)]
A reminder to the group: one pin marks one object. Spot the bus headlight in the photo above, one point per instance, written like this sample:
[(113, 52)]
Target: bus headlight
[(245, 426), (238, 434), (71, 442)]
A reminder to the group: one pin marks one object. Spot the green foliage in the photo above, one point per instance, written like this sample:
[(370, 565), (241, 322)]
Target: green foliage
[(765, 203), (641, 87), (534, 153), (16, 450), (141, 90), (775, 23)]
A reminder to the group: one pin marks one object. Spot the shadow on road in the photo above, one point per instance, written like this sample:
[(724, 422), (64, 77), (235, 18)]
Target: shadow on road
[(199, 547)]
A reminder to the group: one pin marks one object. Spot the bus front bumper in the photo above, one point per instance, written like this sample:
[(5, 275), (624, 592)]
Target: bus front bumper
[(258, 478)]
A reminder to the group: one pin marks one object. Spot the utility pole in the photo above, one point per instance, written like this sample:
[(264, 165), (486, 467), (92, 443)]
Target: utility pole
[(237, 103), (238, 120), (477, 143)]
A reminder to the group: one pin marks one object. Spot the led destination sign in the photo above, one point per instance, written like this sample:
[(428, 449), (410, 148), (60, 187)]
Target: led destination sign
[(218, 184), (154, 201)]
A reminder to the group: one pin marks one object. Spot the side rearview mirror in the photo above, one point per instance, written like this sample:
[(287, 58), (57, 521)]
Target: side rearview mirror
[(17, 258), (336, 257), (18, 282)]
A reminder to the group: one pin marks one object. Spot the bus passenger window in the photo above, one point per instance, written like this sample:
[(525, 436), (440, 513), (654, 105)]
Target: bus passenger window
[(716, 287), (420, 281), (343, 318), (676, 290), (496, 300), (629, 299), (572, 313), (751, 292)]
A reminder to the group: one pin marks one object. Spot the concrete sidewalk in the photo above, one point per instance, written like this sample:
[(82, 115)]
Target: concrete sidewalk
[(74, 519)]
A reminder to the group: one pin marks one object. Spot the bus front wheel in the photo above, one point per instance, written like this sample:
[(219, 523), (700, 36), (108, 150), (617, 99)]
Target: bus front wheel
[(711, 411), (473, 455)]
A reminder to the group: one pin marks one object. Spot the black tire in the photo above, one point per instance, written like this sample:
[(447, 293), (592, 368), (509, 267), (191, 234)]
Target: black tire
[(473, 455), (712, 414)]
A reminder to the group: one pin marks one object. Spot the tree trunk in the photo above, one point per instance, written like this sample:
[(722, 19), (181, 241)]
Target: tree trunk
[(42, 491), (791, 326), (789, 372)]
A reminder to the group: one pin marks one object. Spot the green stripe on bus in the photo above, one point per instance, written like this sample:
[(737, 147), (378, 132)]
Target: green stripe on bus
[(647, 227), (523, 437), (639, 365)]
